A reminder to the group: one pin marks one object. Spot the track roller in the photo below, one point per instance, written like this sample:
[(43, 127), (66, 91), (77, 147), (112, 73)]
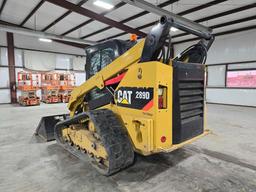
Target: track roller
[(99, 135)]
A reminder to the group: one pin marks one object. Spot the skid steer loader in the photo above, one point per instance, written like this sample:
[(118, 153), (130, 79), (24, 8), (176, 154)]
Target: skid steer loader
[(136, 99)]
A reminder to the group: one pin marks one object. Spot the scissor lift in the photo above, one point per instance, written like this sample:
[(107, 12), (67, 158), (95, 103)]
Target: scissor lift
[(67, 84), (28, 84), (50, 85)]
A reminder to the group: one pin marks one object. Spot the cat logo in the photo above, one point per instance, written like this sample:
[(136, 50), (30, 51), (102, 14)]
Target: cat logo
[(134, 97), (124, 97)]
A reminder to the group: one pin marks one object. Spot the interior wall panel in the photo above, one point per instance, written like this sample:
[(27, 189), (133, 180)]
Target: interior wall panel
[(232, 96), (80, 78), (3, 56), (4, 77), (29, 42), (64, 61), (79, 63), (42, 61), (3, 41), (243, 66), (5, 96), (233, 48), (18, 53), (216, 76)]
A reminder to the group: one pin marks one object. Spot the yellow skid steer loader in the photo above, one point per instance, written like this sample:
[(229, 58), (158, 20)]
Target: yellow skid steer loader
[(136, 98)]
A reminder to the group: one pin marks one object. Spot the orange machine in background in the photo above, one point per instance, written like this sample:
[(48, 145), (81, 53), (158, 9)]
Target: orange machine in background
[(50, 85), (67, 84), (28, 84)]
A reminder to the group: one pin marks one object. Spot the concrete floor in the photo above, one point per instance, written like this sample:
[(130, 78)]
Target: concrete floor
[(222, 161)]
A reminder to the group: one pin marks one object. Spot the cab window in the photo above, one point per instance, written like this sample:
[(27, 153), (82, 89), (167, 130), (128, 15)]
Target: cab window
[(101, 59)]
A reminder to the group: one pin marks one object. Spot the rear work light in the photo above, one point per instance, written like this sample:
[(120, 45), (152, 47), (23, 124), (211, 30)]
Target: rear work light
[(162, 97)]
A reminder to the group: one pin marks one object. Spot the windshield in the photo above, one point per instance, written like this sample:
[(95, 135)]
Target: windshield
[(101, 59)]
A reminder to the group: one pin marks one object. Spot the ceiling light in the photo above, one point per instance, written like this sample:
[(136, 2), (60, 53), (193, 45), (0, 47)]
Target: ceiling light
[(103, 4), (173, 29), (45, 40)]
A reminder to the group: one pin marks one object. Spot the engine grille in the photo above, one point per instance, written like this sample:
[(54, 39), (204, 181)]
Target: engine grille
[(191, 99), (188, 101)]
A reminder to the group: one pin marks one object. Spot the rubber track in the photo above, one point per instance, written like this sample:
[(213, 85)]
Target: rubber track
[(112, 134)]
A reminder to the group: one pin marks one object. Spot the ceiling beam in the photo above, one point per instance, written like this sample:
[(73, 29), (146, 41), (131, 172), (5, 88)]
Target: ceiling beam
[(237, 21), (220, 33), (200, 7), (77, 27), (8, 23), (63, 16), (32, 12), (130, 18), (215, 16), (91, 20), (2, 6), (222, 14), (194, 9), (82, 46), (40, 34), (233, 22), (88, 13), (236, 30), (4, 25)]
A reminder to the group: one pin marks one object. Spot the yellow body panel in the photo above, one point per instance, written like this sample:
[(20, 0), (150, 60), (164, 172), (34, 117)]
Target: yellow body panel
[(155, 122)]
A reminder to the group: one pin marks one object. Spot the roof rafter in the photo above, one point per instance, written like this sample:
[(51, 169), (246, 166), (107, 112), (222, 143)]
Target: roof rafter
[(225, 13), (91, 20), (224, 24), (239, 9), (130, 18), (215, 16), (2, 6), (88, 13), (32, 12), (80, 3), (194, 9), (220, 33), (78, 45), (200, 7)]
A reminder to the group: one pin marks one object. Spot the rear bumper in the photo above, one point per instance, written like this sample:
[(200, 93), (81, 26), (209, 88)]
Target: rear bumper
[(177, 146), (174, 146)]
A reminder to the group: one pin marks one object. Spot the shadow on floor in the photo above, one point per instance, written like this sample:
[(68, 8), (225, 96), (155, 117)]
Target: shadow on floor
[(146, 167)]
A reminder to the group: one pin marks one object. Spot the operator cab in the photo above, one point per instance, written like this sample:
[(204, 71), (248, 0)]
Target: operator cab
[(100, 55), (97, 57)]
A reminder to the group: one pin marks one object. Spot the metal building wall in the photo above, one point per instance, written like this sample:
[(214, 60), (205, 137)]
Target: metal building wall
[(63, 53)]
